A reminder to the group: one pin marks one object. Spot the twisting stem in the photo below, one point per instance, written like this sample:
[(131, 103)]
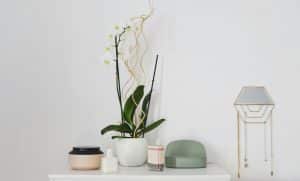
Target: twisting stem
[(150, 94)]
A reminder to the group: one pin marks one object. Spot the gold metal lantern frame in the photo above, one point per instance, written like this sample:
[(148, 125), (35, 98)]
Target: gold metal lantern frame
[(254, 105)]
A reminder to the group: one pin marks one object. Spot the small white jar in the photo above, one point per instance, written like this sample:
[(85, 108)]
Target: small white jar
[(85, 158), (109, 162)]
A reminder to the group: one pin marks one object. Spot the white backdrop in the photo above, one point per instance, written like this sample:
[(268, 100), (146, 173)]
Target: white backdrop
[(56, 92)]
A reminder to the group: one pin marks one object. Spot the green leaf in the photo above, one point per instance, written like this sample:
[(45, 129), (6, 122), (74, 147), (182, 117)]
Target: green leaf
[(118, 128), (132, 103), (114, 137), (152, 126), (145, 106)]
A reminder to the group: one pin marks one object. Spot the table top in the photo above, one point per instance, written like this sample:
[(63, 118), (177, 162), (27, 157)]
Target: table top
[(211, 170)]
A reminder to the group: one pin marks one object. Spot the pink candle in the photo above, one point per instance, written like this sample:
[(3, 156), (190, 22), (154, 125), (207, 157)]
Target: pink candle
[(156, 157)]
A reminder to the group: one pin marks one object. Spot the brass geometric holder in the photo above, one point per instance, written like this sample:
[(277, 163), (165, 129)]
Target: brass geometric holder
[(254, 106)]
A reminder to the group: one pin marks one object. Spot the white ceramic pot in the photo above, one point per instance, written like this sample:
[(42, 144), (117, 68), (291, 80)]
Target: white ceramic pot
[(131, 151)]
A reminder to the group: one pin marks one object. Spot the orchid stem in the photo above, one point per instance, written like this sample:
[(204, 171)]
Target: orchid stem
[(152, 83)]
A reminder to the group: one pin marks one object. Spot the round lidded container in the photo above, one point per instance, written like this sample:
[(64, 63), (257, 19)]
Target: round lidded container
[(85, 158)]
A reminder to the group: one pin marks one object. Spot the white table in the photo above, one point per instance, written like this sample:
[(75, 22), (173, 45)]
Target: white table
[(211, 173)]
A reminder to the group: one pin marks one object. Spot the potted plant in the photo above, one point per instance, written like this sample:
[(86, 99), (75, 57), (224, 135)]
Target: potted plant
[(131, 146)]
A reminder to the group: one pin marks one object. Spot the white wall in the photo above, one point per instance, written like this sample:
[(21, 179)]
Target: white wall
[(56, 92)]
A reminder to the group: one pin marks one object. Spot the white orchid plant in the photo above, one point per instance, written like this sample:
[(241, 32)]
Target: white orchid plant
[(125, 47)]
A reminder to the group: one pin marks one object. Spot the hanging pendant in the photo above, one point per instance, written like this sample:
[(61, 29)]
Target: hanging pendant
[(254, 106)]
